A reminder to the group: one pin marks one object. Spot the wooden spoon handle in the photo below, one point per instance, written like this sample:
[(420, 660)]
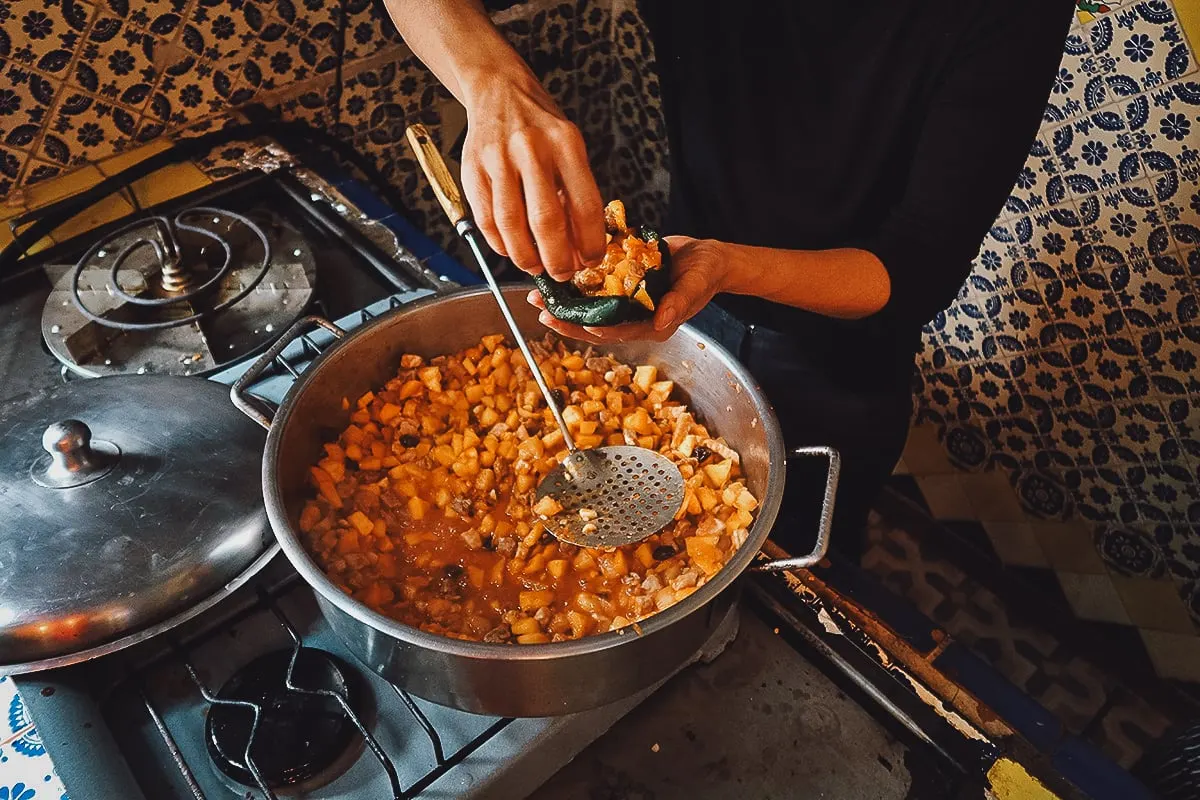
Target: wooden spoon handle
[(444, 186)]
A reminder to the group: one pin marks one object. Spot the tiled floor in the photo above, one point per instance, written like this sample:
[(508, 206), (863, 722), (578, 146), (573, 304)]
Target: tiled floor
[(1089, 700)]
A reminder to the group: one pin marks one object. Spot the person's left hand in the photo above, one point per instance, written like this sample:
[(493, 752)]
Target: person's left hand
[(699, 270)]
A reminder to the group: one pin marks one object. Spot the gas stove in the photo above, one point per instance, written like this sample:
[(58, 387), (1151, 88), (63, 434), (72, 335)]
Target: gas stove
[(255, 698), (263, 674)]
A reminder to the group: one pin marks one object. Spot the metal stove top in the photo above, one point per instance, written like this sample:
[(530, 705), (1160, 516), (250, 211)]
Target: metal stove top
[(196, 284)]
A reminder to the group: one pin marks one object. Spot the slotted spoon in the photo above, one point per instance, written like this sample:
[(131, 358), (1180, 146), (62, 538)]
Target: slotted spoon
[(610, 496)]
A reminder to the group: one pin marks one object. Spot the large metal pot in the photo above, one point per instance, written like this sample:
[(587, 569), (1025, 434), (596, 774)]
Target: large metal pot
[(499, 679)]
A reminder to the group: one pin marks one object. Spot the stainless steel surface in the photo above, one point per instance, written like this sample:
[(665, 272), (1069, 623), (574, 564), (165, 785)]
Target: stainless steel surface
[(73, 457), (179, 295), (613, 495), (825, 523), (496, 678), (164, 531), (245, 402)]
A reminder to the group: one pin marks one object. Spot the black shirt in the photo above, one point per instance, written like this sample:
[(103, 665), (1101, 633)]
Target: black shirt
[(897, 126)]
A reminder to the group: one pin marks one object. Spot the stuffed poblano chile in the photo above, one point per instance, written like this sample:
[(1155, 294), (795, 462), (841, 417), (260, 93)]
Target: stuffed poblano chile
[(627, 285)]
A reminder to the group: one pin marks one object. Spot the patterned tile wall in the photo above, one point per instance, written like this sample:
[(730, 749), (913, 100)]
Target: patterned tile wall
[(1059, 407), (85, 80)]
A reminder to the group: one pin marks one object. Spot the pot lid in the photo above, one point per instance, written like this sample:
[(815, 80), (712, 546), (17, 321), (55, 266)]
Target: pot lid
[(125, 501)]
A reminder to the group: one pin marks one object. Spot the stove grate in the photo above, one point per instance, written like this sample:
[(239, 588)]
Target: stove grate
[(268, 601)]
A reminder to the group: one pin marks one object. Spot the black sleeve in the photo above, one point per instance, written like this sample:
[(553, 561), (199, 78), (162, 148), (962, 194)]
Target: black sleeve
[(982, 120)]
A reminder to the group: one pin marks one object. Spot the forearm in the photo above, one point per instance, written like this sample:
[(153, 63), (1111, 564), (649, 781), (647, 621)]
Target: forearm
[(847, 283), (457, 41)]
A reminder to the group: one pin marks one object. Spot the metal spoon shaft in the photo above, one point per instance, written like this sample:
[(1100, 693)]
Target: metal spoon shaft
[(467, 231)]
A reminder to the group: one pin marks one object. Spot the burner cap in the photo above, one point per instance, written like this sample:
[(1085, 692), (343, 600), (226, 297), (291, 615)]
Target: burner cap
[(299, 736)]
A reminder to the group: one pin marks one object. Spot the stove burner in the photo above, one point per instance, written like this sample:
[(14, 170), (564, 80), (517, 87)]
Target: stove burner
[(175, 272), (183, 294), (293, 736)]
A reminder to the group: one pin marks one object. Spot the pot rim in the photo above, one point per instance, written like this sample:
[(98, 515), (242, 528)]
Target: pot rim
[(290, 543)]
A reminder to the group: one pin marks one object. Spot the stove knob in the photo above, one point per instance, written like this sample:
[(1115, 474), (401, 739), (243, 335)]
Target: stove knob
[(74, 458)]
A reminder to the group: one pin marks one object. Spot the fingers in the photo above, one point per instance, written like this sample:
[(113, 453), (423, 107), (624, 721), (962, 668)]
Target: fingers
[(584, 205), (547, 218), (478, 191), (508, 211), (616, 334), (688, 294)]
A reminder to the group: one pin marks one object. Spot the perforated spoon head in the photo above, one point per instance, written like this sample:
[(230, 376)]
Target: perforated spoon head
[(612, 496)]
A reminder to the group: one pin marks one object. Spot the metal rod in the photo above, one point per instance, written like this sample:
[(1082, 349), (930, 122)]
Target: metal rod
[(846, 668), (458, 757), (467, 231), (424, 722), (255, 709), (172, 747), (372, 744)]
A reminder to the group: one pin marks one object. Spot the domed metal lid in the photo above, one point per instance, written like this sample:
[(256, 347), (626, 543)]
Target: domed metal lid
[(125, 501)]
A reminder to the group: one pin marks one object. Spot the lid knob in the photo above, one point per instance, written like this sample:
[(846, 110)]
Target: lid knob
[(75, 459)]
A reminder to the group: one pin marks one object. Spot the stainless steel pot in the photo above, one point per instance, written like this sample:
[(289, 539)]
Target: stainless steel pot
[(499, 679)]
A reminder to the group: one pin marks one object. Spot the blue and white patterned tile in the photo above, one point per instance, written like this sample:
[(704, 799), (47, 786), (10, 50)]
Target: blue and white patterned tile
[(1183, 204), (26, 772), (1160, 289), (1096, 152), (1146, 43), (1180, 546), (1030, 192), (1170, 358), (1123, 225), (1044, 494), (1132, 552), (1174, 127), (1144, 432), (1079, 85)]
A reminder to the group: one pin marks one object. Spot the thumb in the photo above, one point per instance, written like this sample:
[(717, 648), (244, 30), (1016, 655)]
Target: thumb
[(689, 292)]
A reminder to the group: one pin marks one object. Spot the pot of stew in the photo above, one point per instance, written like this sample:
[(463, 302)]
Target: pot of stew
[(399, 477)]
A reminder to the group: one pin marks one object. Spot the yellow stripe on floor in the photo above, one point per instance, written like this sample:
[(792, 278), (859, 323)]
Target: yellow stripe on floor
[(1010, 781)]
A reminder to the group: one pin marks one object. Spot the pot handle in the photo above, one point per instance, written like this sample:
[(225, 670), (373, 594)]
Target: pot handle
[(826, 523), (253, 407)]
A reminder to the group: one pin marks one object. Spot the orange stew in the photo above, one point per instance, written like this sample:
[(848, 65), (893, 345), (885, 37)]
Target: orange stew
[(422, 508)]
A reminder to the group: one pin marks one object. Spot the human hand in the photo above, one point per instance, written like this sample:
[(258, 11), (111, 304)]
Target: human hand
[(526, 176), (700, 270)]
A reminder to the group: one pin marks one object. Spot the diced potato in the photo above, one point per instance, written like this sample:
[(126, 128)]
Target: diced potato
[(717, 474), (525, 625), (533, 638), (643, 376), (533, 600), (388, 412), (361, 522), (704, 553), (547, 507), (417, 508), (557, 567)]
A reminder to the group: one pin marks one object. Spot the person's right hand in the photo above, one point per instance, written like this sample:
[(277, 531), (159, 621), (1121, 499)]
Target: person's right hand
[(526, 176)]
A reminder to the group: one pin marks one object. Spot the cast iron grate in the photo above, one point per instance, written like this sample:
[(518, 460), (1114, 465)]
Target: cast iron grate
[(269, 601)]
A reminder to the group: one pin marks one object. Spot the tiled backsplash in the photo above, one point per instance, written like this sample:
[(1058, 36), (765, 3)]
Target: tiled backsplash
[(1059, 408), (1059, 412)]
